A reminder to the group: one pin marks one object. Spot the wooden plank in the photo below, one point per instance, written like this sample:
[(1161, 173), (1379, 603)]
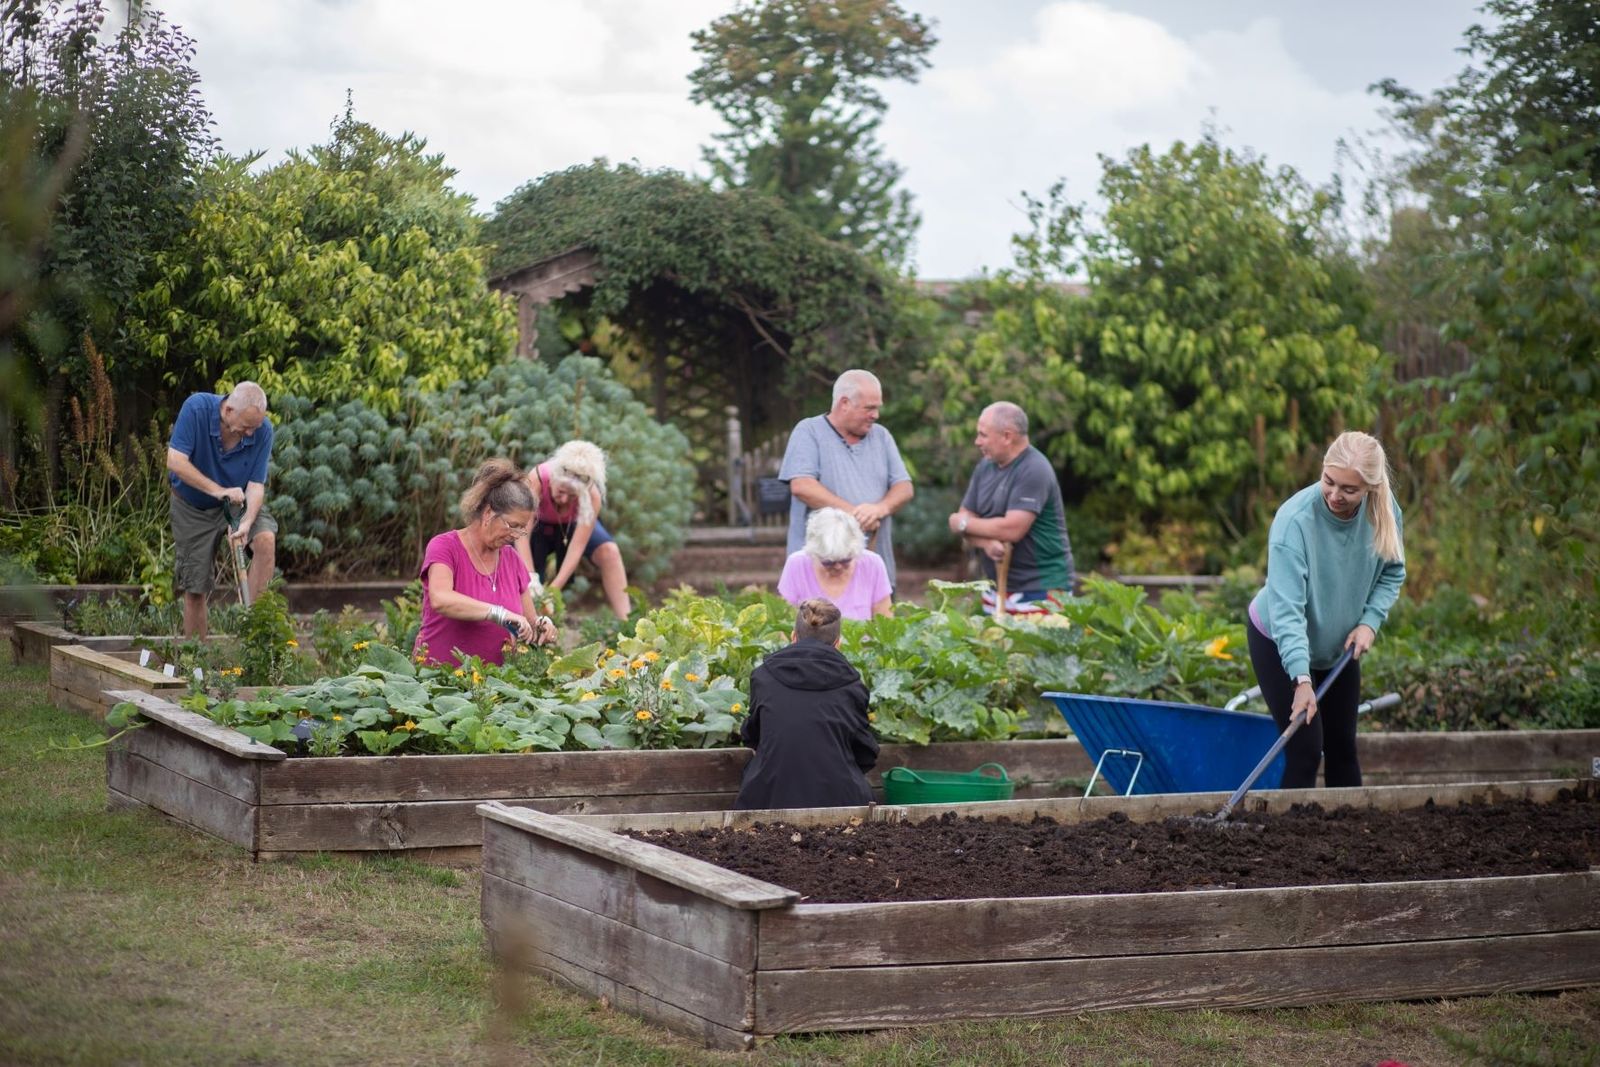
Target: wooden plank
[(724, 886), (184, 799), (520, 920), (67, 700), (1479, 755), (112, 663), (623, 894), (854, 998), (1029, 928), (506, 775), (382, 825), (463, 856), (1082, 809), (196, 726), (237, 776)]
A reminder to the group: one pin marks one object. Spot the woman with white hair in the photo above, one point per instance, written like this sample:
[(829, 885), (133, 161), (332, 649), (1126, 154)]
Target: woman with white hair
[(1335, 564), (835, 564), (568, 489)]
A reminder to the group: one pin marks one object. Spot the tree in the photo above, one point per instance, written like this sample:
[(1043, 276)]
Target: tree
[(134, 101), (1209, 354), (347, 271), (795, 81), (1507, 164)]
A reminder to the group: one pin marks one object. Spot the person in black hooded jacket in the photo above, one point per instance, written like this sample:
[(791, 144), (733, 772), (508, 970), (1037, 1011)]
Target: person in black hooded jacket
[(808, 722)]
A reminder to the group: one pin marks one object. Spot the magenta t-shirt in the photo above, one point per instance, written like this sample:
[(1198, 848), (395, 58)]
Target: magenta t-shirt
[(869, 583), (481, 638)]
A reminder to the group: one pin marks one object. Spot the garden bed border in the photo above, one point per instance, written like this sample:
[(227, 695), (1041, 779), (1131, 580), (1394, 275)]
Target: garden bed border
[(732, 960)]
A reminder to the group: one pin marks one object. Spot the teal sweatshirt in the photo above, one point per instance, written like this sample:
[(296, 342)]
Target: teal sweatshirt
[(1323, 580)]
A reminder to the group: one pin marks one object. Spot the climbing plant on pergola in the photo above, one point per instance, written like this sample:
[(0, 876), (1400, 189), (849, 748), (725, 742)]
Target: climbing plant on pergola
[(734, 300)]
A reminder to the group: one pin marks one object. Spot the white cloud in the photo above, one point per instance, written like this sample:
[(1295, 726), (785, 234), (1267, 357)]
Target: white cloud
[(1090, 81)]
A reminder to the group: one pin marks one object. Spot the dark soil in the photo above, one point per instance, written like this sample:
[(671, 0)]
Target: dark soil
[(953, 858)]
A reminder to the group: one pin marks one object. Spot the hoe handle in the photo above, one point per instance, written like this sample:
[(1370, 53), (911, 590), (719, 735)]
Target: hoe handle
[(1295, 722)]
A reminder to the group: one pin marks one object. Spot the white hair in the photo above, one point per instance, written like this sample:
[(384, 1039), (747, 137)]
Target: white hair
[(1008, 416), (850, 383), (247, 396), (834, 534), (579, 466)]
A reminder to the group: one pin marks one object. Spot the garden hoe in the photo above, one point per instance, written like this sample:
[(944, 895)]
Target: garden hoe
[(1295, 722), (241, 565)]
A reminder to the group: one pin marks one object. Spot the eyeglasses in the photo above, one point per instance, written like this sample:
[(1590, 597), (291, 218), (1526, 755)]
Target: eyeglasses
[(513, 527), (835, 564)]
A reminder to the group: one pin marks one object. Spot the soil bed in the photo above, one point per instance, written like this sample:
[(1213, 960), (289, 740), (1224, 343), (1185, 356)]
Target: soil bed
[(961, 857)]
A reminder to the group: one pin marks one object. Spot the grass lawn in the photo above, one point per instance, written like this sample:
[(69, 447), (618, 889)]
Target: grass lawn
[(127, 940)]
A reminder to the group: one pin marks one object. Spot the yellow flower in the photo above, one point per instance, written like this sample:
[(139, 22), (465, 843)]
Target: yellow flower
[(615, 672), (407, 725), (652, 655), (666, 683), (736, 709), (872, 716), (459, 673), (292, 643), (1214, 649), (338, 718), (610, 652), (360, 646), (587, 696), (691, 677), (643, 715), (637, 664), (477, 679)]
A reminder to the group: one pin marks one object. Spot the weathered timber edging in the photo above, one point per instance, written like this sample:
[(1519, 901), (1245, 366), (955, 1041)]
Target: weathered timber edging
[(425, 806), (730, 959), (80, 677)]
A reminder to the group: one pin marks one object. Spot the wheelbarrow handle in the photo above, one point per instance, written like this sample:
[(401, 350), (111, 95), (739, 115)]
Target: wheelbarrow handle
[(1295, 722), (1388, 700)]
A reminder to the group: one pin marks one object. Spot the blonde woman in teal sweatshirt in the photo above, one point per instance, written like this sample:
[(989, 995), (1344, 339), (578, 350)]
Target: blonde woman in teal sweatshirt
[(1335, 564)]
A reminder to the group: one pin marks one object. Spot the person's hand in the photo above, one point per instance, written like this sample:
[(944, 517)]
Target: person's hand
[(955, 524), (995, 550), (525, 631), (232, 495), (1305, 700), (237, 537), (544, 630), (1360, 641), (869, 516)]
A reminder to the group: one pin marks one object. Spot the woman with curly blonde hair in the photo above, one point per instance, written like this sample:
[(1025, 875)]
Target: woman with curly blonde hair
[(568, 489)]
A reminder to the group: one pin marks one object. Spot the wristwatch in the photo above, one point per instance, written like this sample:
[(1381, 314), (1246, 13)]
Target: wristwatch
[(961, 527), (1302, 679)]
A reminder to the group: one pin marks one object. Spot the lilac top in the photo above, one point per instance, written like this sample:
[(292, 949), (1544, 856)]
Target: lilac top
[(869, 583), (439, 636)]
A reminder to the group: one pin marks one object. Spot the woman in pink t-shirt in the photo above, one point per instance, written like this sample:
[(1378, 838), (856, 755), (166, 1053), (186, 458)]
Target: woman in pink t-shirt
[(476, 590), (836, 565)]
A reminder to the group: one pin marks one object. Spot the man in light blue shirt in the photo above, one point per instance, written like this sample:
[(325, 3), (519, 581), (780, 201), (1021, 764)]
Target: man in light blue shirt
[(218, 454), (845, 460)]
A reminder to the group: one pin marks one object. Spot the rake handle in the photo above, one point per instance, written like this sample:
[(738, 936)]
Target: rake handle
[(1295, 722)]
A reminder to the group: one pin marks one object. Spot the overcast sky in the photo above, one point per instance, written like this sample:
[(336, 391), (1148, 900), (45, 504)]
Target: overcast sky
[(1020, 93)]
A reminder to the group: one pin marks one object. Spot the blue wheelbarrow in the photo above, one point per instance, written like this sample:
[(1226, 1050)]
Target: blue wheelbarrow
[(1154, 746)]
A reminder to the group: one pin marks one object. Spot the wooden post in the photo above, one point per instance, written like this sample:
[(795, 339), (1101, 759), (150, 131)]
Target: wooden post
[(735, 448)]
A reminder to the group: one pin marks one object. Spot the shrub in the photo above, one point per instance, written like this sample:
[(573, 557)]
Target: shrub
[(356, 493)]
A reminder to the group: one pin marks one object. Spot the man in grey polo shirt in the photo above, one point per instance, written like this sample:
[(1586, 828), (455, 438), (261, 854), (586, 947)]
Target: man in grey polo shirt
[(845, 460)]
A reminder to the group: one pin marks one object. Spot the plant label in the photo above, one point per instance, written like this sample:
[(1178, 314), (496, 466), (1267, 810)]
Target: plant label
[(169, 670), (1594, 767), (144, 657), (199, 675)]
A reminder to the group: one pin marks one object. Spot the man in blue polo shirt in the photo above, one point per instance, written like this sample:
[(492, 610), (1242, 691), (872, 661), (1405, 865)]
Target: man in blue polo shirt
[(219, 451)]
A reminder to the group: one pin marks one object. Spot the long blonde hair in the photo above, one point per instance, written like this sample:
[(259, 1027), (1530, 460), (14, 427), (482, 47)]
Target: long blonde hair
[(1363, 453)]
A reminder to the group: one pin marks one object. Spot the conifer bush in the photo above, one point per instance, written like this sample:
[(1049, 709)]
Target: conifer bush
[(357, 493)]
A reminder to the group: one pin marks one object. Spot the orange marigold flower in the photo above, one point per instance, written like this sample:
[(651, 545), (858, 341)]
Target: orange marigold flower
[(666, 683), (643, 715), (292, 643), (652, 655), (407, 725), (736, 709), (691, 677), (616, 672)]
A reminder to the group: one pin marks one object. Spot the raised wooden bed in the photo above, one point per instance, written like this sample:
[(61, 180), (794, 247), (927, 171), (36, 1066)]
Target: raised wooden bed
[(426, 805), (80, 677), (31, 642), (730, 959)]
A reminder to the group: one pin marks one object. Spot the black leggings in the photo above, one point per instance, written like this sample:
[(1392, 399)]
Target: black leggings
[(1331, 736)]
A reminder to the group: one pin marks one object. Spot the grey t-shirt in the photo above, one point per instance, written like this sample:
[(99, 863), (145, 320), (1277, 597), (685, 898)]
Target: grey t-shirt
[(860, 473), (1042, 560)]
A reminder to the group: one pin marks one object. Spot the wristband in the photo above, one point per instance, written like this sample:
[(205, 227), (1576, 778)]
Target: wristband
[(496, 614), (961, 527), (1303, 679)]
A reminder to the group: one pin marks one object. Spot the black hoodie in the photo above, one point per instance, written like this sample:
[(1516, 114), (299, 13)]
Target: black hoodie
[(808, 725)]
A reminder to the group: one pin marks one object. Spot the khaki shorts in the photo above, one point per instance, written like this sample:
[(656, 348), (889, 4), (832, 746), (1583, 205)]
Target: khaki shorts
[(196, 532)]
